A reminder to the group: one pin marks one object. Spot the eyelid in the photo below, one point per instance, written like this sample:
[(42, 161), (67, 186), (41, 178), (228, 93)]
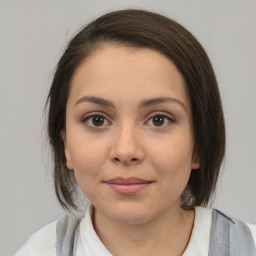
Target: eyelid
[(92, 114), (164, 114)]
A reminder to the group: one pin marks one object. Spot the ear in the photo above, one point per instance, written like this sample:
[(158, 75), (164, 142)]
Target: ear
[(66, 150), (195, 164)]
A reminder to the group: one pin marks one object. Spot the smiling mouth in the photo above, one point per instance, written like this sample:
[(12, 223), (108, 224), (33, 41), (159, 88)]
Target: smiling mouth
[(127, 186)]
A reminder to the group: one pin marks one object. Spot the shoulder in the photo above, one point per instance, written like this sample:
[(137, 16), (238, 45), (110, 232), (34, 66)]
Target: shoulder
[(252, 227), (40, 243), (248, 230), (206, 214)]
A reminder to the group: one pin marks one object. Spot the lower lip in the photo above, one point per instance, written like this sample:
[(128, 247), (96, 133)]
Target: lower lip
[(128, 189)]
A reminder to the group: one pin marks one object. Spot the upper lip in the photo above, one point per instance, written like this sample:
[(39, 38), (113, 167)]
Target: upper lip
[(131, 180)]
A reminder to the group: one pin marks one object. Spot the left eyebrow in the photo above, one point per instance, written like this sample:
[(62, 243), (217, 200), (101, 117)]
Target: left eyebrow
[(143, 104), (155, 101)]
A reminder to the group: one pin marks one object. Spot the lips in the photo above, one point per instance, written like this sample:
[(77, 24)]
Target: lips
[(127, 186)]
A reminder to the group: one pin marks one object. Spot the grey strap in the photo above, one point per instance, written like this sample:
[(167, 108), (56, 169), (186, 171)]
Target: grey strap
[(230, 237), (66, 239)]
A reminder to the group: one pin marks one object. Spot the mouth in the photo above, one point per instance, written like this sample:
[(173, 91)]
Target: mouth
[(127, 186)]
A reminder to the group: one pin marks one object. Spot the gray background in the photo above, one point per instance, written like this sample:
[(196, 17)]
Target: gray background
[(33, 35)]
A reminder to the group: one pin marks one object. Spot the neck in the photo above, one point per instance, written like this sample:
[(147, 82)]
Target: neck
[(167, 234)]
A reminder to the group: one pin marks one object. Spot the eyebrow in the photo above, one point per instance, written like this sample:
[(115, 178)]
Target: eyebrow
[(143, 104)]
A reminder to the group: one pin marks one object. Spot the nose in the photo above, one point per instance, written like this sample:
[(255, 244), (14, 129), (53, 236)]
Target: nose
[(126, 147)]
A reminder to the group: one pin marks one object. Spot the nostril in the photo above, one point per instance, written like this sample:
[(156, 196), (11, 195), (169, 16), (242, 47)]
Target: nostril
[(126, 162)]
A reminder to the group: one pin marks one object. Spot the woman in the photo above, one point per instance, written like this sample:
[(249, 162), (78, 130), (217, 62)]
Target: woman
[(136, 123)]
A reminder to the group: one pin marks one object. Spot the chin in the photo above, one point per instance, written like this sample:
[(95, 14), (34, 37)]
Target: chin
[(130, 214)]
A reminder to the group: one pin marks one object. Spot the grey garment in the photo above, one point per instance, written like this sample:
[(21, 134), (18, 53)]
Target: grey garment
[(66, 240), (228, 237)]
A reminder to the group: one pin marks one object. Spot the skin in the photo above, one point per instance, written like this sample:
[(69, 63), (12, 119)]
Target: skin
[(128, 142)]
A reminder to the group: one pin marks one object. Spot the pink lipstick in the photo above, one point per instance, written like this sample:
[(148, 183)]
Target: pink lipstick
[(127, 186)]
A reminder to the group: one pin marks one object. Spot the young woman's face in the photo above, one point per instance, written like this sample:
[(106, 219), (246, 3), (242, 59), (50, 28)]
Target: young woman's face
[(129, 135)]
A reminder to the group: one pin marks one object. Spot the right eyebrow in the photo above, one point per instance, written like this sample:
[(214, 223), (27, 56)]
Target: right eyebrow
[(96, 100)]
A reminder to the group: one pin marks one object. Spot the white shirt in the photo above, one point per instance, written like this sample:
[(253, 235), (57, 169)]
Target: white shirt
[(42, 242)]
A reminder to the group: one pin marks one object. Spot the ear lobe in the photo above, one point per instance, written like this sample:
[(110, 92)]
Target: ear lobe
[(195, 164), (66, 150)]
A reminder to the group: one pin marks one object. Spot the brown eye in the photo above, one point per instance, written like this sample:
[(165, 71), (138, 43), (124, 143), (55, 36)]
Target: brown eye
[(98, 120), (95, 121), (160, 120)]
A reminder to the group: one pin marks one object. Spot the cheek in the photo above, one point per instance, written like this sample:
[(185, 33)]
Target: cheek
[(87, 165), (87, 156), (172, 161), (87, 160), (176, 152)]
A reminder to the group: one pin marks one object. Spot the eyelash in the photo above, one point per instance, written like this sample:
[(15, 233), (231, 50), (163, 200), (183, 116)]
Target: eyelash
[(92, 115)]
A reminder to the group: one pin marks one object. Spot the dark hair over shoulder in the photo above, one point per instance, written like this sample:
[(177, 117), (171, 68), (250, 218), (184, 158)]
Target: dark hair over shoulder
[(140, 28)]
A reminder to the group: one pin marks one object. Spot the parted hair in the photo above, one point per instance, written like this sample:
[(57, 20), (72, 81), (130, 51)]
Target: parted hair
[(144, 29)]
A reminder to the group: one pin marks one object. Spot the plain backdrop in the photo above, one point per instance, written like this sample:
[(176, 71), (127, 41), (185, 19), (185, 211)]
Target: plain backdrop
[(33, 36)]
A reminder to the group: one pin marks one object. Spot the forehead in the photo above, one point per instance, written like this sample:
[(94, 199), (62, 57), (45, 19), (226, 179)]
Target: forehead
[(124, 72), (111, 59)]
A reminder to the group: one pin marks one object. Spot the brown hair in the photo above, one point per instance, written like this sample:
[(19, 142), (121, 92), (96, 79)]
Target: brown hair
[(140, 28)]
